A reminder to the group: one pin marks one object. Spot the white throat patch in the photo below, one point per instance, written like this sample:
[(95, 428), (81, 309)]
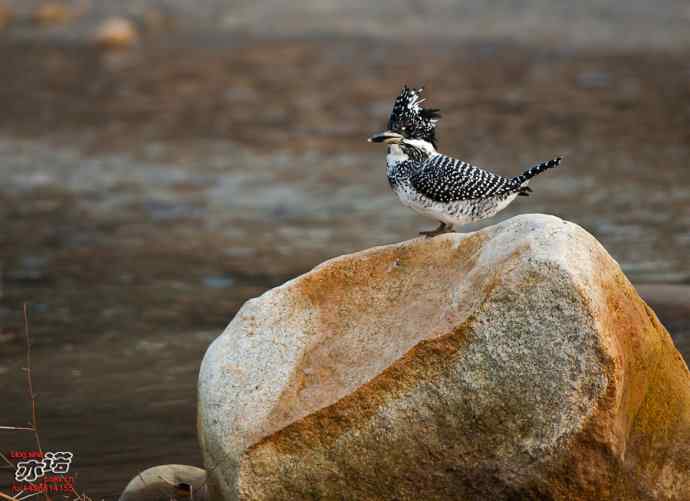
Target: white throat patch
[(420, 144), (395, 155)]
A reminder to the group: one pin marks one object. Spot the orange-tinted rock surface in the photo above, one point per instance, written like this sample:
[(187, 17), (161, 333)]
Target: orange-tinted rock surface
[(516, 362)]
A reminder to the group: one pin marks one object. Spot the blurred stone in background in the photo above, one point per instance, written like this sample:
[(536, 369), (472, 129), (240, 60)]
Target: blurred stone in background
[(49, 13), (5, 16), (116, 32)]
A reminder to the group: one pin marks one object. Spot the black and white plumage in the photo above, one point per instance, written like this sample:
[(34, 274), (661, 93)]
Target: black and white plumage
[(445, 179), (446, 189)]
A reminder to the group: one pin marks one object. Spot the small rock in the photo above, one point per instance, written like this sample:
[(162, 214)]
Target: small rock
[(166, 482), (6, 16), (116, 33), (52, 13)]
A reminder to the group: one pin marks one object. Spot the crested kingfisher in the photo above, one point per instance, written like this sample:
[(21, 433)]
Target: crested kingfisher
[(443, 188)]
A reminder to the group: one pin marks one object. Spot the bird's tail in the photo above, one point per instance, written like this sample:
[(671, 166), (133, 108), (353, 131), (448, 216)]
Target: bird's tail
[(518, 181)]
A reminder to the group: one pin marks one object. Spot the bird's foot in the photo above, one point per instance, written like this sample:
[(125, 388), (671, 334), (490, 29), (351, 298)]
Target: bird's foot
[(442, 228)]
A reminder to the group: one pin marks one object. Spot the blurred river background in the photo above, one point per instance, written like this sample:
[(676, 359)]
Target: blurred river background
[(147, 192)]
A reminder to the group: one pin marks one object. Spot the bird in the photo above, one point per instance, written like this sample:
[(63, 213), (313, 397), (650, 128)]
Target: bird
[(446, 189)]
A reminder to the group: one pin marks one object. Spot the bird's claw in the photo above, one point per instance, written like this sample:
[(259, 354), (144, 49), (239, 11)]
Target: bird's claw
[(442, 228)]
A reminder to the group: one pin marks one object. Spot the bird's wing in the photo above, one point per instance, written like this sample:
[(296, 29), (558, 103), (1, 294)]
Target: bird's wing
[(445, 179)]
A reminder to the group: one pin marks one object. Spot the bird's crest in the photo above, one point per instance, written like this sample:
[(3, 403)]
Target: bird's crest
[(410, 119)]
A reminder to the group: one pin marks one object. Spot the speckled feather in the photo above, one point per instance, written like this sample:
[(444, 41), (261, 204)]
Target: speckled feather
[(409, 118), (445, 179)]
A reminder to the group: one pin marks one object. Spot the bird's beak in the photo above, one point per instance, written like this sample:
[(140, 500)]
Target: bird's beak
[(388, 137)]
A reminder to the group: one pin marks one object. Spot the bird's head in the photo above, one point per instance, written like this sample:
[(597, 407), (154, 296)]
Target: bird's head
[(409, 121)]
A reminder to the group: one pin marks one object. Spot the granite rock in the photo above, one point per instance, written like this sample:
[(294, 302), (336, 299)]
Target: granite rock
[(516, 362)]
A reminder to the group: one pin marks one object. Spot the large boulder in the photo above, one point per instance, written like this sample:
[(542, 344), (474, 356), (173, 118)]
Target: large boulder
[(516, 362)]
